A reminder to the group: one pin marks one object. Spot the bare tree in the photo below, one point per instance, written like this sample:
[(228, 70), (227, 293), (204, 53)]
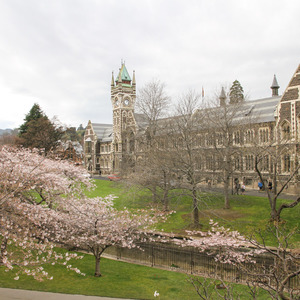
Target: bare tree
[(209, 289), (181, 136), (269, 157), (223, 138), (276, 276), (151, 169), (153, 102)]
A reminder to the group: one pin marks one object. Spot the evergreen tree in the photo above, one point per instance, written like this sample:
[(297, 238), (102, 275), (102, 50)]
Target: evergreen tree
[(34, 114), (236, 94), (38, 131), (80, 127)]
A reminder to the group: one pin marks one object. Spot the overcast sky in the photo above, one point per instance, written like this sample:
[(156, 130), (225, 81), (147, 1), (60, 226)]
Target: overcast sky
[(60, 53)]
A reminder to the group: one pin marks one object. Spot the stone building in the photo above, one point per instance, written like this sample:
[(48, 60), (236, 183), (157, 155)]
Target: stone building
[(106, 144), (109, 147)]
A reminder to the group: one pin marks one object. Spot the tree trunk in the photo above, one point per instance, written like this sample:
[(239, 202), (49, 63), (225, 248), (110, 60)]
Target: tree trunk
[(226, 191), (97, 265), (154, 194), (275, 217), (165, 199), (226, 182), (2, 249), (166, 192), (275, 180), (195, 208)]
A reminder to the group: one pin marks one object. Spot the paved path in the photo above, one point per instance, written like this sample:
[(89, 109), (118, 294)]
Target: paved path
[(253, 192), (14, 294)]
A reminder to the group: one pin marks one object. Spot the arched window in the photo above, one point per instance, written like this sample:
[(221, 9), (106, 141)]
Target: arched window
[(264, 135), (117, 146), (210, 163), (249, 136), (249, 162), (237, 137), (286, 163), (124, 120), (209, 140), (285, 130), (219, 139), (236, 163), (199, 163), (131, 142)]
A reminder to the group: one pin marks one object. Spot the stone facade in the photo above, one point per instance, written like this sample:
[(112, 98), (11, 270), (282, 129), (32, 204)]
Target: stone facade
[(110, 147), (107, 146)]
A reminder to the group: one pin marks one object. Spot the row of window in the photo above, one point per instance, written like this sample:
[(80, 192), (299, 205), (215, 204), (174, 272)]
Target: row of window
[(246, 163), (103, 163)]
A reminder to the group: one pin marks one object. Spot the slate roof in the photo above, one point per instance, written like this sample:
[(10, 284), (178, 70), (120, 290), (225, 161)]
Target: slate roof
[(141, 120), (104, 132), (263, 110), (76, 145), (259, 111)]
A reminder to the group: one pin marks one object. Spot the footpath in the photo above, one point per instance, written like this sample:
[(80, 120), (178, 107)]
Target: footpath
[(14, 294), (254, 192)]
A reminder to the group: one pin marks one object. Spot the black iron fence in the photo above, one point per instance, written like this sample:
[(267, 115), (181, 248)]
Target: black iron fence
[(188, 260)]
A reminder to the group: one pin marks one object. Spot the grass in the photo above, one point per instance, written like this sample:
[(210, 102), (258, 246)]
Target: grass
[(124, 280), (247, 214), (120, 279)]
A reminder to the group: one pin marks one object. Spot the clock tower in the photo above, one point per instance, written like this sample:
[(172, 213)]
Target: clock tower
[(123, 96)]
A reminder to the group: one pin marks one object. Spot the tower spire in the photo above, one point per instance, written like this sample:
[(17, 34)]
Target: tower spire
[(133, 78), (120, 76), (222, 97), (112, 79), (275, 87)]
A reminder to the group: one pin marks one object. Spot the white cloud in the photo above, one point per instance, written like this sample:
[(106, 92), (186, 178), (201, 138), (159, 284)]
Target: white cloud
[(60, 53)]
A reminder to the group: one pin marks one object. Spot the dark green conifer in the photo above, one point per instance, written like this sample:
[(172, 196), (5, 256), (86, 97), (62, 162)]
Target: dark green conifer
[(236, 94), (34, 114)]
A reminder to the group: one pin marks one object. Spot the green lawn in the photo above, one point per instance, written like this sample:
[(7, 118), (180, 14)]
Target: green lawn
[(247, 213), (121, 280), (124, 280)]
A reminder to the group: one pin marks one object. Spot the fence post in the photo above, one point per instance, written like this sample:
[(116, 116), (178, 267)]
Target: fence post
[(152, 256), (192, 261)]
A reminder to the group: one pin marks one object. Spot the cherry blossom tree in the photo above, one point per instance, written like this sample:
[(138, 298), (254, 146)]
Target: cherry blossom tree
[(231, 247), (30, 185), (94, 225), (42, 202)]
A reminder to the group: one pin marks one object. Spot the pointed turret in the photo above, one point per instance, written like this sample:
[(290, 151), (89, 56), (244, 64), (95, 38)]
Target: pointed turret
[(123, 76), (119, 77), (275, 87), (112, 80), (133, 78), (133, 81), (222, 97)]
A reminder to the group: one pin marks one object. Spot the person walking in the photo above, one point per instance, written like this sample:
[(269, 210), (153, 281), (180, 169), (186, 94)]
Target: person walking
[(270, 185), (243, 189)]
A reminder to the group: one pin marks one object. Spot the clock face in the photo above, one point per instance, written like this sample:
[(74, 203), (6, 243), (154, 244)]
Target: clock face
[(126, 102), (116, 103)]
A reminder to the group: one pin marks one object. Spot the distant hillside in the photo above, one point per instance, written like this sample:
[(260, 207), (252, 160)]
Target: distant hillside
[(5, 131)]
